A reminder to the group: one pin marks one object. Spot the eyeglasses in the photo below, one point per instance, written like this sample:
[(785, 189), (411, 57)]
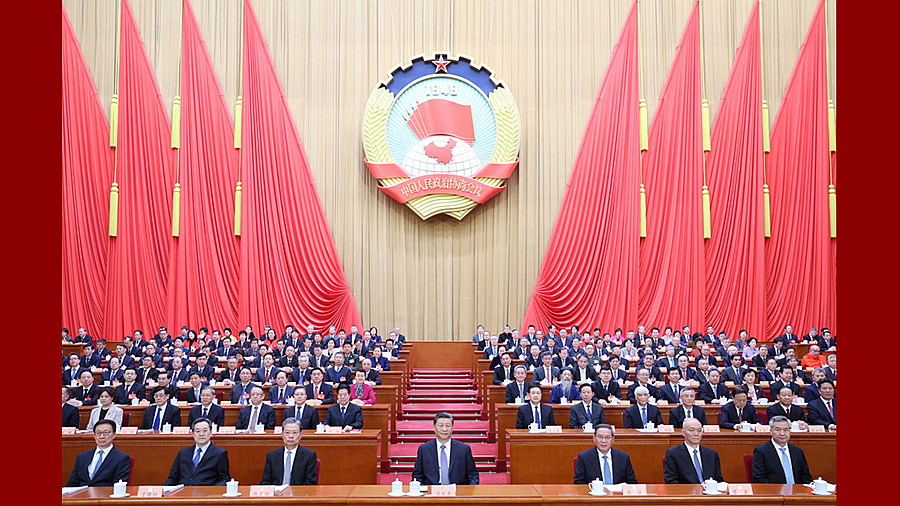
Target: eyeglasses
[(604, 438), (103, 433)]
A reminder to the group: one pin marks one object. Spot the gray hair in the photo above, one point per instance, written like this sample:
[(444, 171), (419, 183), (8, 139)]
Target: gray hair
[(641, 390), (778, 418)]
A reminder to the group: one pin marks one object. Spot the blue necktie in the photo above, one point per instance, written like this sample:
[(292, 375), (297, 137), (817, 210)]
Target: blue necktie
[(607, 472), (343, 409), (205, 412), (156, 419), (286, 479), (243, 391), (445, 466), (697, 466), (97, 467), (537, 417), (644, 415), (786, 464), (197, 457)]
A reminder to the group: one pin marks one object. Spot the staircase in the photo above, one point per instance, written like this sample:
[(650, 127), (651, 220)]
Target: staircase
[(428, 393)]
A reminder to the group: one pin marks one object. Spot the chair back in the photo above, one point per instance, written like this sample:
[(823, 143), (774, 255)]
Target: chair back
[(126, 417), (574, 463), (748, 465), (131, 469), (318, 466)]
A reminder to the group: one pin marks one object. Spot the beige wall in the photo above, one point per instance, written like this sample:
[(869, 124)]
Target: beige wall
[(439, 278)]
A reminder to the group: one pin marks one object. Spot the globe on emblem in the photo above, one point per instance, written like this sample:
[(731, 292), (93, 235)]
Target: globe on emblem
[(441, 154)]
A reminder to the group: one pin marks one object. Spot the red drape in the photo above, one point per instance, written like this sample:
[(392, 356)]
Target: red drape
[(589, 276), (203, 289), (290, 270), (672, 268), (87, 165), (800, 281), (735, 276), (139, 256)]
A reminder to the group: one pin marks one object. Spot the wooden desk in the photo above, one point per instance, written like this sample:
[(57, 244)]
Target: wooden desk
[(465, 494), (346, 458), (320, 494), (647, 450), (666, 495)]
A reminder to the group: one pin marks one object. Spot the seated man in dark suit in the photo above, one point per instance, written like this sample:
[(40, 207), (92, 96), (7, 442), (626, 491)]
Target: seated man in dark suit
[(687, 410), (615, 466), (338, 373), (734, 372), (831, 368), (770, 372), (104, 465), (518, 389), (240, 392), (373, 377), (130, 389), (280, 392), (525, 415), (641, 412), (713, 389), (826, 342), (503, 373), (85, 394), (201, 464), (173, 391), (257, 412), (786, 378), (192, 394), (545, 373), (671, 391), (582, 372), (738, 412), (74, 370), (649, 362), (605, 388), (207, 409), (207, 372), (307, 415), (690, 462), (643, 380), (562, 360), (344, 413), (778, 461), (823, 411), (290, 464), (147, 372), (459, 466), (784, 407), (161, 412), (70, 415), (90, 359), (113, 371), (317, 390), (587, 410), (811, 392)]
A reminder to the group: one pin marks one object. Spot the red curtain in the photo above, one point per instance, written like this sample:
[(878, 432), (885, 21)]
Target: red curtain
[(735, 276), (138, 276), (800, 281), (596, 283), (672, 270), (203, 289), (87, 165), (290, 270)]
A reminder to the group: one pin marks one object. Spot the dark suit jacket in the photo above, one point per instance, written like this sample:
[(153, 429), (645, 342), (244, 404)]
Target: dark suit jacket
[(759, 362), (676, 415), (308, 420), (777, 409), (212, 470), (92, 361), (70, 416), (115, 467), (500, 375), (512, 391), (678, 466), (69, 374), (373, 375), (818, 413), (325, 391), (632, 417), (766, 375), (766, 466), (181, 375), (667, 393), (729, 375), (664, 362), (707, 392), (289, 362), (110, 376), (559, 364), (266, 417), (143, 375), (238, 389), (88, 396), (525, 415), (811, 392), (334, 375), (587, 467), (633, 387), (603, 393), (190, 396), (539, 374), (591, 374), (295, 375), (830, 373), (273, 394), (578, 416), (462, 465), (728, 417), (216, 414), (171, 416), (353, 416), (777, 385), (303, 469), (137, 389)]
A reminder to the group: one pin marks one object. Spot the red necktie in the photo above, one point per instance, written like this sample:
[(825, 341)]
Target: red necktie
[(830, 411), (267, 376)]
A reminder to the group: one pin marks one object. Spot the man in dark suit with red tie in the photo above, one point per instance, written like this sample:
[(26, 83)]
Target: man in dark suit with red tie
[(689, 462), (823, 410), (290, 464), (784, 407), (738, 411)]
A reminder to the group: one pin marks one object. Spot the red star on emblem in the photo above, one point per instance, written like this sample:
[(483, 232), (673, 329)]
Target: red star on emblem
[(440, 64)]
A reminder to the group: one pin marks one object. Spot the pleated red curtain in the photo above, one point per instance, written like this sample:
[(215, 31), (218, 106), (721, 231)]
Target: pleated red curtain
[(596, 283), (735, 255), (137, 282), (290, 271), (800, 281), (672, 265), (203, 289), (87, 165)]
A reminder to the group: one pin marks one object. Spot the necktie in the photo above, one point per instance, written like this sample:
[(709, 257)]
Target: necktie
[(522, 392), (607, 472), (156, 418), (644, 415), (831, 411), (677, 393), (343, 410), (697, 465), (547, 374), (196, 394), (97, 467), (280, 395), (537, 416), (688, 413), (286, 479), (786, 464), (205, 412), (740, 414), (587, 408), (359, 391), (267, 376), (445, 466), (243, 392), (254, 418), (197, 457)]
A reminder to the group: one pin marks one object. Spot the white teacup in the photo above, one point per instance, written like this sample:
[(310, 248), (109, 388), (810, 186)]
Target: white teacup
[(167, 428), (397, 487), (533, 426), (231, 487), (518, 400), (589, 427), (710, 486), (650, 425), (795, 425), (414, 487), (320, 428), (119, 488), (596, 487), (820, 486)]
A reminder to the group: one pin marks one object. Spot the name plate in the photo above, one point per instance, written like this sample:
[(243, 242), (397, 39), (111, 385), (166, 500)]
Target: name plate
[(226, 403), (262, 491), (443, 490), (764, 384), (149, 491), (144, 403), (181, 430), (817, 428), (624, 403), (128, 430), (700, 402), (227, 430), (554, 429), (278, 429), (729, 383), (710, 428), (634, 489), (762, 428), (68, 430), (662, 403), (332, 430), (658, 384), (740, 489), (666, 428)]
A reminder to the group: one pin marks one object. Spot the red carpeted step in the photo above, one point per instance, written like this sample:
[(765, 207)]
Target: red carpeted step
[(460, 426)]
